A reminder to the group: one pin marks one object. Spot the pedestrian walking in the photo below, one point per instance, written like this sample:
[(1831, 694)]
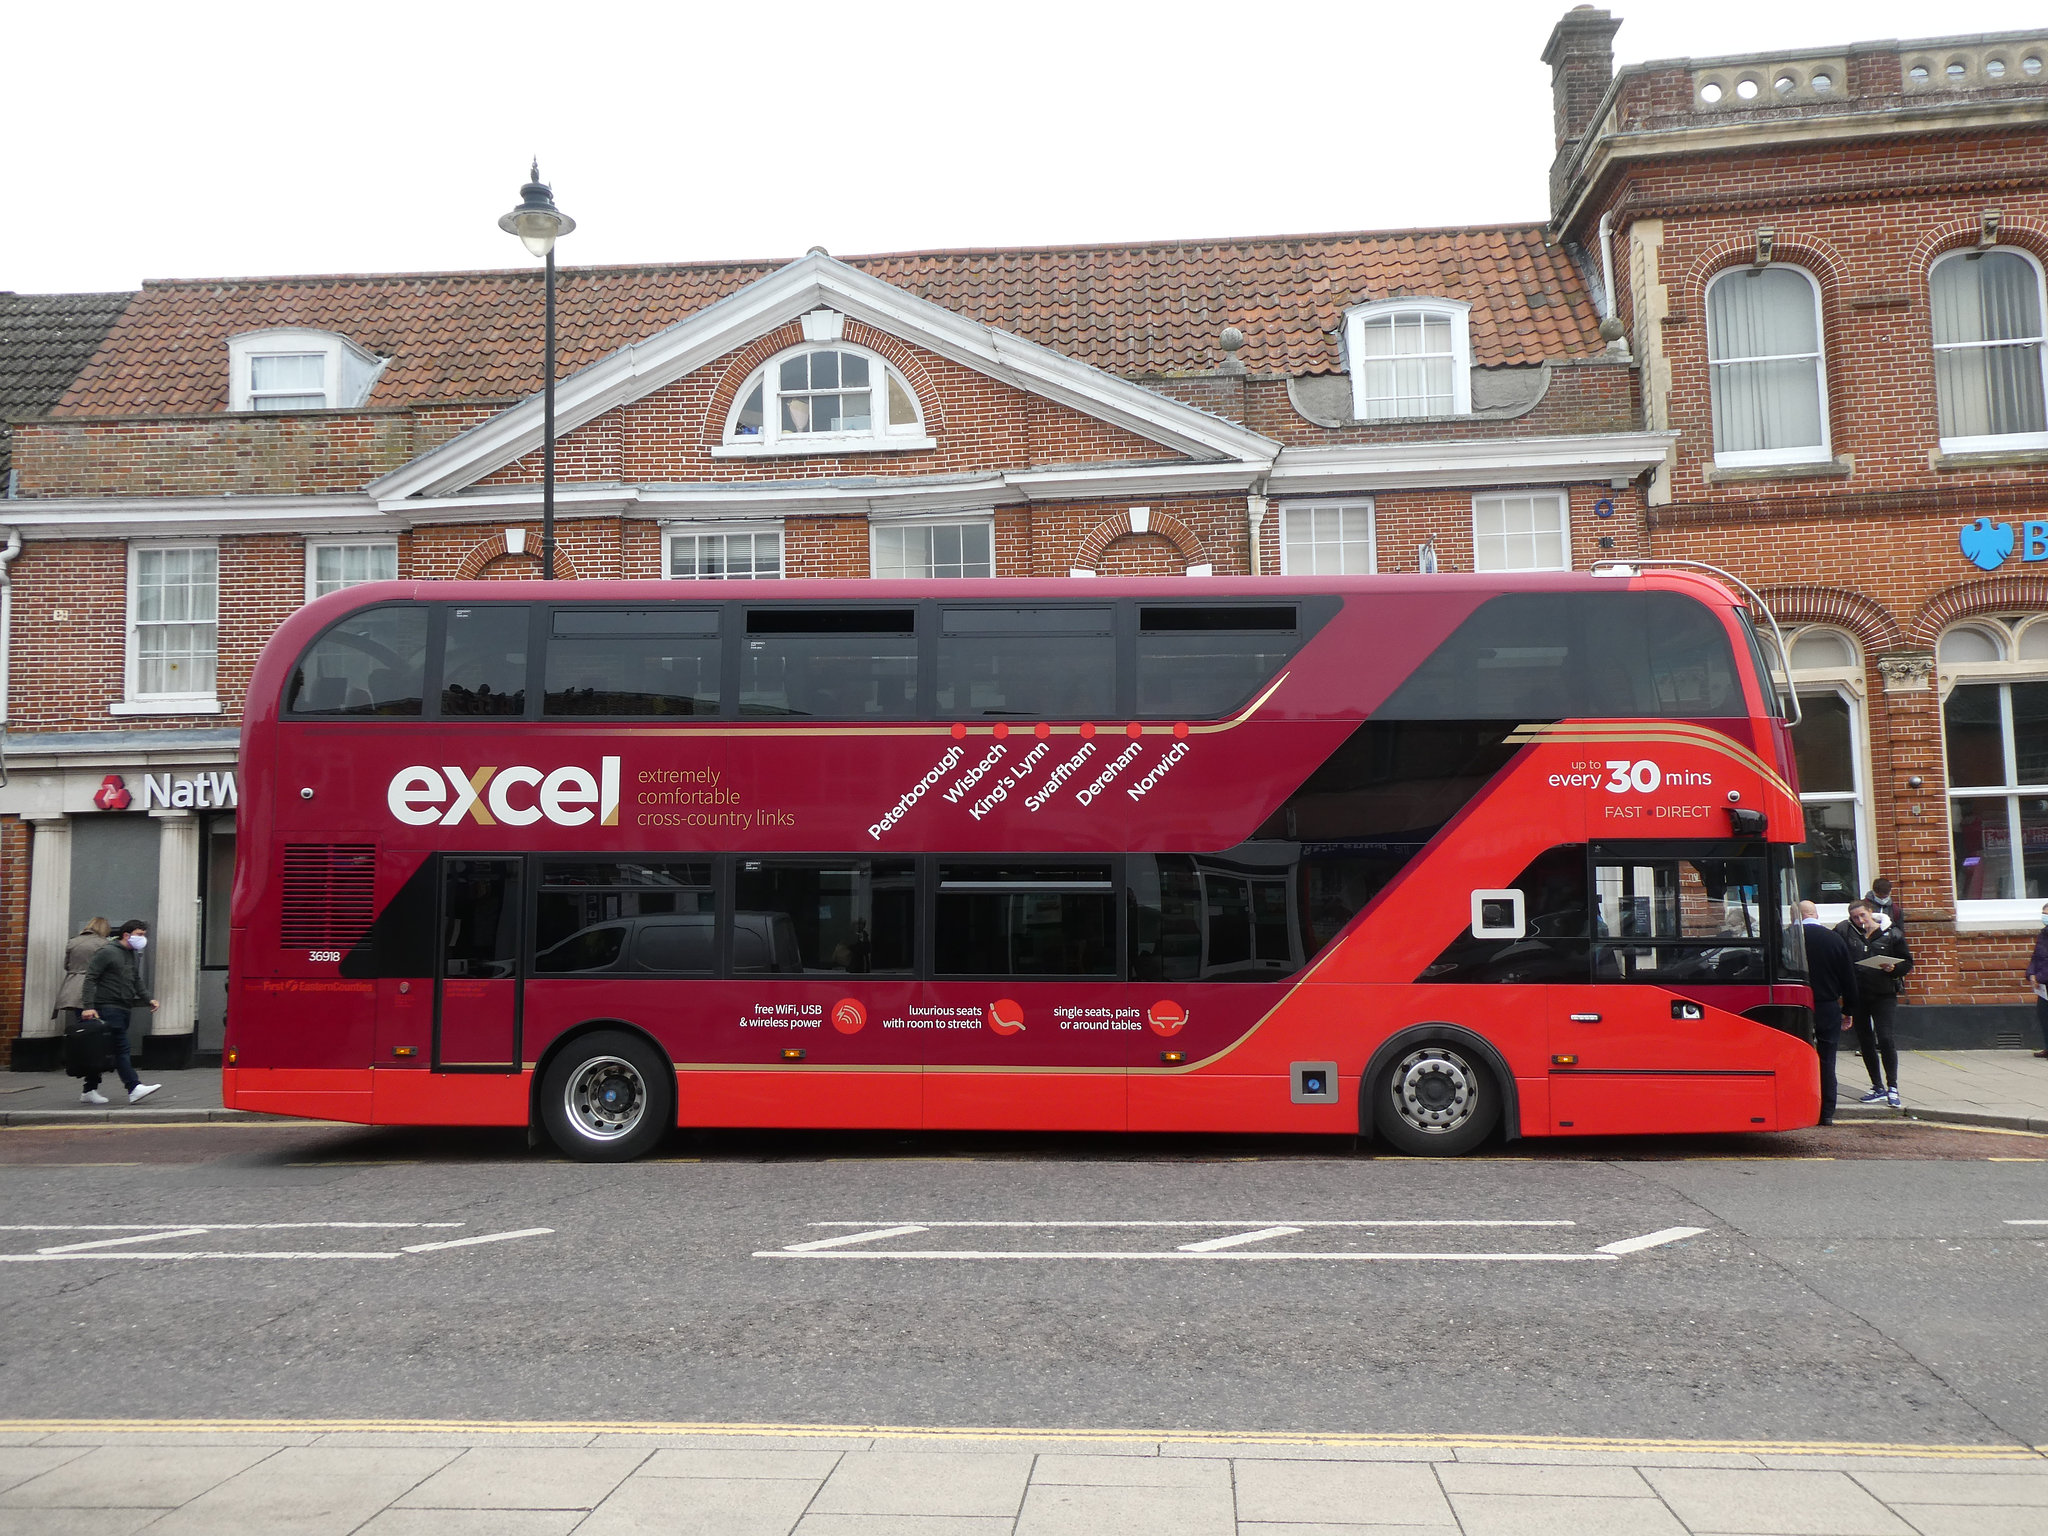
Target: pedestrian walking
[(76, 953), (1885, 905), (1832, 976), (2037, 973), (113, 990), (1882, 960)]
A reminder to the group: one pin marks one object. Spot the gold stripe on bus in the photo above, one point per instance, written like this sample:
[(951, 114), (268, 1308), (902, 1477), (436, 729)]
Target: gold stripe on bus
[(1675, 735)]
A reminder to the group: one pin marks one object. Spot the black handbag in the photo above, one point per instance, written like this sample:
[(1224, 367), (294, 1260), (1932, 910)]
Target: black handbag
[(85, 1049)]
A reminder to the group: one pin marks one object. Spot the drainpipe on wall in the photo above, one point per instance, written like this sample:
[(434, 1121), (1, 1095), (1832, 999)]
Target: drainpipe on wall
[(1610, 323), (7, 555), (1255, 515)]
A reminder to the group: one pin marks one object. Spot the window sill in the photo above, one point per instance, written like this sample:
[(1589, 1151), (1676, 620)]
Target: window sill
[(168, 706), (1811, 469), (1998, 917), (2021, 453), (832, 448)]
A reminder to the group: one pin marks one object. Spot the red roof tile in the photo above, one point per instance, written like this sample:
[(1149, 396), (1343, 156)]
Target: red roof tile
[(1132, 310)]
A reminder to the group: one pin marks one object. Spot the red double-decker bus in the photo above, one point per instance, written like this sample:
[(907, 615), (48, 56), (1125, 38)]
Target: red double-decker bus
[(1424, 857)]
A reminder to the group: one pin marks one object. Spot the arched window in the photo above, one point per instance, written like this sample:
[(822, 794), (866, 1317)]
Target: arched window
[(1765, 368), (1988, 358), (1409, 357), (829, 398), (1994, 727), (1827, 746)]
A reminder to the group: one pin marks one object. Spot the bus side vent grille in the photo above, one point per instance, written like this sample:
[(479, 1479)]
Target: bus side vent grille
[(329, 894)]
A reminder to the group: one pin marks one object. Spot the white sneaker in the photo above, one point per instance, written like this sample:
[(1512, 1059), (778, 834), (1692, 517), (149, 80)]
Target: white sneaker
[(93, 1096), (142, 1091)]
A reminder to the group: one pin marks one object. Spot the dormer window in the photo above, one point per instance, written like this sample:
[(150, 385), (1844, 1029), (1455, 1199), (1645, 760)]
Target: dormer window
[(299, 370), (825, 399), (1409, 357)]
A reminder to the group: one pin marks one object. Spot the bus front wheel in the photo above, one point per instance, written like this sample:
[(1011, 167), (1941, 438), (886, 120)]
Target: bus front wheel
[(1435, 1100), (608, 1098)]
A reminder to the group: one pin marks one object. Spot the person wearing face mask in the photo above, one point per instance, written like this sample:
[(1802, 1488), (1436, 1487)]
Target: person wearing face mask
[(2037, 973), (1832, 975), (113, 988)]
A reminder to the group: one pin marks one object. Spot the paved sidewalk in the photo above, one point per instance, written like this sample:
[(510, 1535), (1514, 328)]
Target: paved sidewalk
[(426, 1480), (2004, 1088), (40, 1098)]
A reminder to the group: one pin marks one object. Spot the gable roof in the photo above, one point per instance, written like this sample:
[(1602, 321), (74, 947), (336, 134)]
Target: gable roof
[(45, 338), (638, 370), (1132, 310)]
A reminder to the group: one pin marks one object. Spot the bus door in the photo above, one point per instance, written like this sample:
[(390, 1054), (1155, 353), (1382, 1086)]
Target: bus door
[(1655, 1041), (477, 981)]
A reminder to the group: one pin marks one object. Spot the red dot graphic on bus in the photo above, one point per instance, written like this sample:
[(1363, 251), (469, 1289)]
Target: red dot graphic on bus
[(1005, 1016), (1134, 730), (1087, 729), (1166, 1017), (848, 1016), (1002, 730), (1041, 730), (959, 731), (1180, 730)]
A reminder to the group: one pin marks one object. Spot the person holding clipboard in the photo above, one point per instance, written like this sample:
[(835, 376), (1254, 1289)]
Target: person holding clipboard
[(1882, 960)]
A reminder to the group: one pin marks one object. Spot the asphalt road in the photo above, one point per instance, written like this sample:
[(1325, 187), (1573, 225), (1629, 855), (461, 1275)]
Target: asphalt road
[(1862, 1283)]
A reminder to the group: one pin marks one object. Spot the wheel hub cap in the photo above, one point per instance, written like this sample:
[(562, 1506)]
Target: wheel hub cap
[(1433, 1090), (606, 1098)]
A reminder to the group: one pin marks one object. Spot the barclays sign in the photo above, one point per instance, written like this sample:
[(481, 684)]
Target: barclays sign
[(1988, 545)]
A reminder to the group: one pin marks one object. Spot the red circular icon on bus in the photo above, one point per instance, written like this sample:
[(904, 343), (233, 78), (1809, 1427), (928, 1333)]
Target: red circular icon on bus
[(848, 1016), (1166, 1017), (1005, 1016)]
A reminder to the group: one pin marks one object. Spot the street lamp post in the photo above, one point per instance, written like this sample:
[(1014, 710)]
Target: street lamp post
[(539, 224)]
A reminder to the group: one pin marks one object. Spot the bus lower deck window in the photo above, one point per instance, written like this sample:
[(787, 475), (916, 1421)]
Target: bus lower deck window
[(1025, 920)]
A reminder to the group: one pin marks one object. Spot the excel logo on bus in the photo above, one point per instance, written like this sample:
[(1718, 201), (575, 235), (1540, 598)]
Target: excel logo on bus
[(519, 796)]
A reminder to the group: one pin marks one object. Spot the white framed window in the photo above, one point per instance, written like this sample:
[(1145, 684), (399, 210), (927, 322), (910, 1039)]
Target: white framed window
[(949, 547), (173, 629), (1990, 367), (1409, 357), (824, 397), (332, 564), (1994, 726), (293, 369), (1521, 531), (1830, 749), (722, 554), (1327, 538), (1765, 370)]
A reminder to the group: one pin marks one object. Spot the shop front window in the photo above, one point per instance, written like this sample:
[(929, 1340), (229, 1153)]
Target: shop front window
[(1827, 746), (1995, 733)]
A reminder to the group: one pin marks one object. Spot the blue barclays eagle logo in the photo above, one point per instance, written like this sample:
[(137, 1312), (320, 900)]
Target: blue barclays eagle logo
[(1985, 543)]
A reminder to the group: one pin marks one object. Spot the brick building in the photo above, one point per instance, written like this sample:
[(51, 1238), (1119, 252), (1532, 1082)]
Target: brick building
[(1491, 397)]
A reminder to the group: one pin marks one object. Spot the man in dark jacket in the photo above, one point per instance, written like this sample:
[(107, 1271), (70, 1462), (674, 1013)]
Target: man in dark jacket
[(2037, 973), (1832, 975), (1877, 987), (113, 987)]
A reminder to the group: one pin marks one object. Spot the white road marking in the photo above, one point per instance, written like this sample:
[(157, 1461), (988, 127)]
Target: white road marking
[(230, 1226), (1246, 1254), (851, 1237), (56, 1258), (488, 1237), (1651, 1240), (2026, 1221), (133, 1237), (1234, 1225), (1237, 1239)]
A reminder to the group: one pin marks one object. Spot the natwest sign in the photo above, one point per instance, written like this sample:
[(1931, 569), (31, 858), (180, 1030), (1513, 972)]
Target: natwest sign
[(519, 796), (195, 792)]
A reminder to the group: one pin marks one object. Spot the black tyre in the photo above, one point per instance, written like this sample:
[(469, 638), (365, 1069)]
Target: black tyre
[(608, 1098), (1435, 1100)]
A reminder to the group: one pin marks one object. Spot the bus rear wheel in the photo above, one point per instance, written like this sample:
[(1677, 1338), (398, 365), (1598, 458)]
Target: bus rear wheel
[(608, 1098), (1435, 1101)]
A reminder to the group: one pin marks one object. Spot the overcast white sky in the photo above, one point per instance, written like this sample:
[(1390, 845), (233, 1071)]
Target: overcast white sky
[(206, 140)]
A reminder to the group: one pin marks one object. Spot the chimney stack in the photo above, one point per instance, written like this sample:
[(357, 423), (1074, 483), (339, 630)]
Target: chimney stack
[(1580, 54)]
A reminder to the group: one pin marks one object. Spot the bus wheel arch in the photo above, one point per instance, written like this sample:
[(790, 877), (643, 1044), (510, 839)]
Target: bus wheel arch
[(605, 1091), (1464, 1048)]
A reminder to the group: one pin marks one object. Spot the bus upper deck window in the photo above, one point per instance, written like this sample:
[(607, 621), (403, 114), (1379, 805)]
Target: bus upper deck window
[(1052, 663), (830, 663), (617, 661), (483, 661), (1195, 662), (371, 663)]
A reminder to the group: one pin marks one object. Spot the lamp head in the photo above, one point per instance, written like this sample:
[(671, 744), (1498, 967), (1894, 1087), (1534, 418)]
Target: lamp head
[(537, 221)]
